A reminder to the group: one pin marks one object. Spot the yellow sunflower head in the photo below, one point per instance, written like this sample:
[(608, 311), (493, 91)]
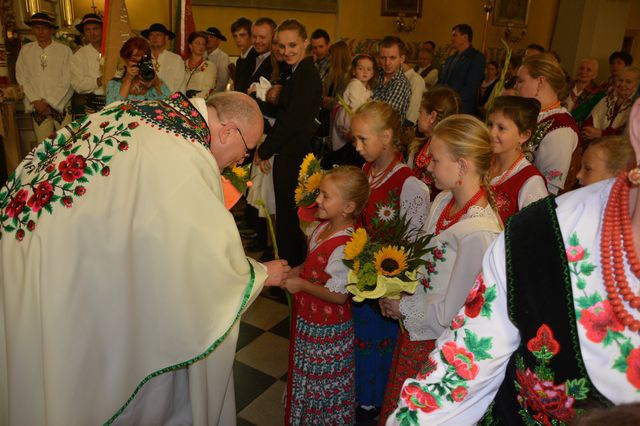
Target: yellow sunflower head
[(306, 162), (241, 172), (390, 261), (355, 246), (313, 182), (356, 266), (299, 193)]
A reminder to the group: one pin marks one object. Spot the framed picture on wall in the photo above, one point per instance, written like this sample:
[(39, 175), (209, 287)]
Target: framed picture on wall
[(512, 13), (321, 6), (402, 7)]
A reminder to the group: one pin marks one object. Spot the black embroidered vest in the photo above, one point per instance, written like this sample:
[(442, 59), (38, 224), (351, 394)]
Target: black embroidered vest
[(546, 379)]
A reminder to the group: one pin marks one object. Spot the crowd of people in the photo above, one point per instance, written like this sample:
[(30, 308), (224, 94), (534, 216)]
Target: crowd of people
[(525, 308)]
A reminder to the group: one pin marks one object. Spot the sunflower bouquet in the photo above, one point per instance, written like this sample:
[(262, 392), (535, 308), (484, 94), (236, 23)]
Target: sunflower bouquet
[(235, 181), (387, 264), (308, 187)]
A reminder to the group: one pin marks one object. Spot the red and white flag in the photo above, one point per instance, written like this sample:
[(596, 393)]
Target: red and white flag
[(185, 25)]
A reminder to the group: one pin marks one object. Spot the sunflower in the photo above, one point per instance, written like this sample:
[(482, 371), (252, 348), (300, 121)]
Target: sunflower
[(313, 183), (306, 162), (355, 246), (299, 194), (241, 172), (390, 261)]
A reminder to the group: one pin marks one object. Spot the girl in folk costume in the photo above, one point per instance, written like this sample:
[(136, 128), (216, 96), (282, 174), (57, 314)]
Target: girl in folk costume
[(514, 355), (605, 158), (200, 74), (376, 128), (610, 115), (438, 103), (464, 224), (321, 365), (556, 138), (515, 181)]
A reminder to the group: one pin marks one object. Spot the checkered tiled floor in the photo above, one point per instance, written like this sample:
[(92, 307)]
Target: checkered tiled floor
[(260, 368)]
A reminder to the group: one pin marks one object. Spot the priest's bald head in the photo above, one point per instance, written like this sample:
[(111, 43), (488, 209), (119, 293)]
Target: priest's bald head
[(236, 125)]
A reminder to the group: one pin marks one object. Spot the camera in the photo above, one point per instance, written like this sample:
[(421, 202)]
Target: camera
[(147, 70)]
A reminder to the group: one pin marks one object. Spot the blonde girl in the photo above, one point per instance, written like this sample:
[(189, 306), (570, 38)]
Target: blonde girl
[(605, 158), (464, 224), (377, 133), (321, 385)]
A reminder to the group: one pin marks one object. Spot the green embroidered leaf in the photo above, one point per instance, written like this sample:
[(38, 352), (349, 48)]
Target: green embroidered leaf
[(543, 354), (95, 139), (407, 417), (88, 171), (61, 140), (573, 240), (587, 268), (585, 302), (581, 283), (586, 254), (478, 346), (577, 388), (120, 126), (611, 337), (108, 142), (108, 129), (620, 364), (119, 114), (9, 228), (626, 348), (95, 166), (126, 133), (75, 149), (48, 207), (67, 186), (41, 155), (98, 153), (544, 372), (82, 179), (57, 179), (107, 158), (47, 145)]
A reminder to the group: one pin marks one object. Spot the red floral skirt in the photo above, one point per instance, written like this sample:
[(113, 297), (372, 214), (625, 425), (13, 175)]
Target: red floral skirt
[(408, 359)]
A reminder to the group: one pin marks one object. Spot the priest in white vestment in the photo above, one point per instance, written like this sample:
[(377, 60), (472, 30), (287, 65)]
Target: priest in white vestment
[(122, 273)]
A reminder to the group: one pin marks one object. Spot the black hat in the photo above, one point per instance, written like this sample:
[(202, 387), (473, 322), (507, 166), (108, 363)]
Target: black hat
[(213, 31), (160, 28), (42, 19), (89, 18)]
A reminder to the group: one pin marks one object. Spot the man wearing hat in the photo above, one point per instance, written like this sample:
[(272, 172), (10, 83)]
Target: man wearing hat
[(42, 70), (218, 57), (169, 66), (86, 75)]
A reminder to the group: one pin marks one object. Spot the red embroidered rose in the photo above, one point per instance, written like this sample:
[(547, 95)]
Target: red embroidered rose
[(360, 344), (425, 282), (417, 399), (20, 234), (123, 146), (126, 107), (459, 393), (475, 299), (41, 196), (437, 253), (430, 267), (104, 124), (457, 322), (598, 319), (72, 167), (80, 191), (575, 253), (461, 360), (50, 168), (106, 171), (31, 225), (67, 201), (133, 125), (544, 399), (18, 202), (85, 137), (633, 368), (544, 339), (52, 135)]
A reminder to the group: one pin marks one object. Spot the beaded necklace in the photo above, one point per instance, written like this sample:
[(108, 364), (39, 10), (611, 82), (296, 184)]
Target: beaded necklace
[(451, 220), (554, 105), (616, 234), (506, 174), (375, 180)]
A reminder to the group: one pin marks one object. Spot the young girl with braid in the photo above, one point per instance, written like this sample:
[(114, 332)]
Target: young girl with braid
[(464, 223)]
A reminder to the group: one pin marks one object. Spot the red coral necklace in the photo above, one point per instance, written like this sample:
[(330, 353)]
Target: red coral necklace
[(616, 234), (451, 220), (506, 174)]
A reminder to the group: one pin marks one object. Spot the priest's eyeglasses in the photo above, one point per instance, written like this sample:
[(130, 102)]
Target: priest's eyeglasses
[(246, 147)]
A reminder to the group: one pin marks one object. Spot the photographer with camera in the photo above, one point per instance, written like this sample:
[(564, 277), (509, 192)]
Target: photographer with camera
[(138, 80)]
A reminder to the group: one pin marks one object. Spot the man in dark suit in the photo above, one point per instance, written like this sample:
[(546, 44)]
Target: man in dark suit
[(258, 61), (241, 33), (464, 70)]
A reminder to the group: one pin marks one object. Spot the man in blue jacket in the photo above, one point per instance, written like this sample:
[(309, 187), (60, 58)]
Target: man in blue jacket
[(464, 70)]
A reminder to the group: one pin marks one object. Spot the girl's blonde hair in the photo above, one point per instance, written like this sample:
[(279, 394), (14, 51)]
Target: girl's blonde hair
[(352, 183), (443, 100), (467, 137), (380, 116), (294, 25), (546, 65), (618, 153), (339, 60)]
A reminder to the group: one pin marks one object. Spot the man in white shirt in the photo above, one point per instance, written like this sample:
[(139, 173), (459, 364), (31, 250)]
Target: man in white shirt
[(86, 75), (169, 66), (427, 70), (42, 70), (417, 90), (218, 57)]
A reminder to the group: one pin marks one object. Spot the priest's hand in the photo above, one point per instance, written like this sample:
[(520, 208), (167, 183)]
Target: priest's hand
[(277, 270), (390, 308)]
